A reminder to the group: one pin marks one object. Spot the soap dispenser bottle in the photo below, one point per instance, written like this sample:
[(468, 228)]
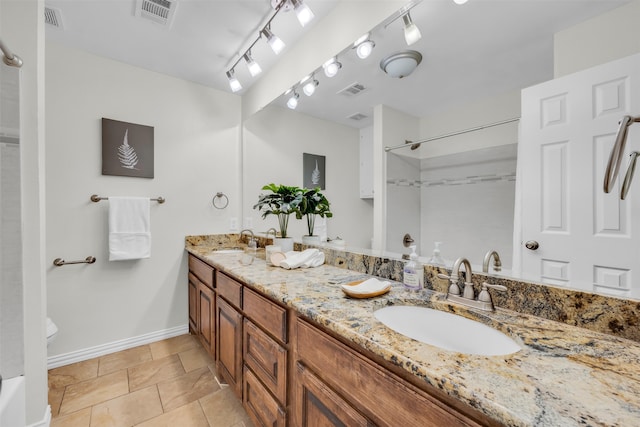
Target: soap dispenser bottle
[(436, 259), (413, 273)]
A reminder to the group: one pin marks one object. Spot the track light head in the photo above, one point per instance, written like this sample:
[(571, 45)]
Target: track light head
[(309, 87), (292, 103), (277, 45), (234, 84), (303, 12), (254, 67), (331, 67), (411, 30)]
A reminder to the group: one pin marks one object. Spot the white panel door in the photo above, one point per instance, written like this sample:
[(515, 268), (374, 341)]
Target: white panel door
[(587, 239)]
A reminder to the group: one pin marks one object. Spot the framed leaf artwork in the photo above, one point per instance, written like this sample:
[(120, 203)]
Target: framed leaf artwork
[(127, 149), (313, 167)]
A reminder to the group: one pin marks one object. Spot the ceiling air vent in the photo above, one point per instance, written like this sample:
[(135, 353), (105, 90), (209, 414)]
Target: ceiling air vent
[(159, 11), (53, 17), (352, 90), (357, 116)]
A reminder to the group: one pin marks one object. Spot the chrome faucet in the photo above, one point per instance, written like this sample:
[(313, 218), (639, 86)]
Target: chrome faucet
[(483, 302), (275, 233), (497, 264), (253, 236)]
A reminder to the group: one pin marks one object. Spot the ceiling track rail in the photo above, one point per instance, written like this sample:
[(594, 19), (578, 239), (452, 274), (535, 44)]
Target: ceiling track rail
[(416, 144), (9, 57)]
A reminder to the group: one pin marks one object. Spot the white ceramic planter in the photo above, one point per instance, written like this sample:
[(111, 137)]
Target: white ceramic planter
[(285, 243), (311, 240)]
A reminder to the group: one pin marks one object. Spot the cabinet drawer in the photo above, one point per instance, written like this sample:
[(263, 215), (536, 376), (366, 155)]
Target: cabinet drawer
[(318, 405), (267, 314), (262, 408), (385, 398), (202, 270), (229, 289), (267, 359)]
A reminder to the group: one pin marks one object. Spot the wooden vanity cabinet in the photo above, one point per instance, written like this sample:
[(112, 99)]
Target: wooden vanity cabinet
[(344, 383), (229, 332), (202, 303), (265, 358)]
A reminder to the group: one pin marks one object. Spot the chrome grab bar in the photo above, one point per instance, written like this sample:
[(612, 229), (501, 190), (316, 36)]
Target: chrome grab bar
[(59, 262), (9, 57), (95, 198), (615, 158), (629, 175)]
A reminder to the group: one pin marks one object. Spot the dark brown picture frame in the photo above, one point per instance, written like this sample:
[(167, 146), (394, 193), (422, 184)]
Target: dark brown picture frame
[(127, 149), (313, 170)]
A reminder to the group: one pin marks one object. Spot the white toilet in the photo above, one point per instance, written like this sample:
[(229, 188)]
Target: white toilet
[(52, 331)]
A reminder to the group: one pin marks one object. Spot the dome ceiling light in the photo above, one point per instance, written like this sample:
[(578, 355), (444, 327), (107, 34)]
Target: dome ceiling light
[(401, 64)]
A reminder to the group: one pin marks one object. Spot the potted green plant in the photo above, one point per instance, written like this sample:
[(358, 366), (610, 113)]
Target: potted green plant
[(282, 201), (313, 204)]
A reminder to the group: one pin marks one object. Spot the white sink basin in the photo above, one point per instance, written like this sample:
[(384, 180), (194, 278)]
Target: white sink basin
[(228, 251), (447, 331)]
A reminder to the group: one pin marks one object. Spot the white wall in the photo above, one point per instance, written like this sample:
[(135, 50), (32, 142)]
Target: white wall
[(22, 29), (610, 36), (196, 132), (274, 141)]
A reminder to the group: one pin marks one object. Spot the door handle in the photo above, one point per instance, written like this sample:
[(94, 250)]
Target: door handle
[(532, 245)]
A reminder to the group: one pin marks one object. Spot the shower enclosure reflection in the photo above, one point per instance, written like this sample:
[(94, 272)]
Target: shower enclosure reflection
[(11, 315), (464, 200)]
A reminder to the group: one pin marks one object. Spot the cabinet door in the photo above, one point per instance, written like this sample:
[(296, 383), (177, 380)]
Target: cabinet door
[(318, 406), (206, 318), (193, 304), (262, 408), (267, 359), (229, 345)]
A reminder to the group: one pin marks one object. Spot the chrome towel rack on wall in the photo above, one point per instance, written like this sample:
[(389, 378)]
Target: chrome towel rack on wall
[(59, 262), (96, 198)]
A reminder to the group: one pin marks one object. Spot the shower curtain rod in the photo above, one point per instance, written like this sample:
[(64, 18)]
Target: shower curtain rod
[(10, 58), (416, 144)]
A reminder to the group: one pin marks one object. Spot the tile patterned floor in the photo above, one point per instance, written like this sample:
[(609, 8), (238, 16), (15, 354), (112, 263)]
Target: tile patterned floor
[(166, 383)]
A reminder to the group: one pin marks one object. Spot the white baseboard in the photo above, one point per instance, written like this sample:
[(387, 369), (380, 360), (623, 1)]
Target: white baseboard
[(101, 350), (46, 420)]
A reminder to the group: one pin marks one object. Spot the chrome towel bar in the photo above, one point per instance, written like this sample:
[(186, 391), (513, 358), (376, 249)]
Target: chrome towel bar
[(96, 198), (59, 262), (617, 152)]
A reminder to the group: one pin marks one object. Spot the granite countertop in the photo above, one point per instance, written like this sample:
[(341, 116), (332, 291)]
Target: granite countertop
[(563, 376)]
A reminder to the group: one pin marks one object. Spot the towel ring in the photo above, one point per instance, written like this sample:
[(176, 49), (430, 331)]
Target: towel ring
[(223, 203)]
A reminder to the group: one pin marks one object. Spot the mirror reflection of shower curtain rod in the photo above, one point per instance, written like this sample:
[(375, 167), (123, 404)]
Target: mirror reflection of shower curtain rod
[(9, 57), (416, 144)]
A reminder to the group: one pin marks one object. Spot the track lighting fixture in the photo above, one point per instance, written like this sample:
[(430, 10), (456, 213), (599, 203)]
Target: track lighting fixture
[(303, 12), (411, 31), (254, 67), (292, 103), (274, 41), (233, 82), (331, 67), (310, 86), (364, 46)]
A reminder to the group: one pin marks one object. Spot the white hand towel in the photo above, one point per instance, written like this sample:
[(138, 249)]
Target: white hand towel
[(129, 228), (305, 259)]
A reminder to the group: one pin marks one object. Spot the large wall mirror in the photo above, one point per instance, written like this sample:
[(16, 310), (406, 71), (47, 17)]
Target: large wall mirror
[(459, 188)]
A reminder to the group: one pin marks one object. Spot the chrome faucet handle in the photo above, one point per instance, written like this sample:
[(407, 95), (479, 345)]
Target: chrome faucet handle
[(484, 294), (454, 289)]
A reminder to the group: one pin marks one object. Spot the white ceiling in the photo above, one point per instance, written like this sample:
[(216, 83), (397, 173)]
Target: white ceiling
[(469, 51)]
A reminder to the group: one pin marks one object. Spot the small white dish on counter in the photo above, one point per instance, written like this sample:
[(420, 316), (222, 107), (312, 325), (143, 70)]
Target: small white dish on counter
[(366, 289)]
